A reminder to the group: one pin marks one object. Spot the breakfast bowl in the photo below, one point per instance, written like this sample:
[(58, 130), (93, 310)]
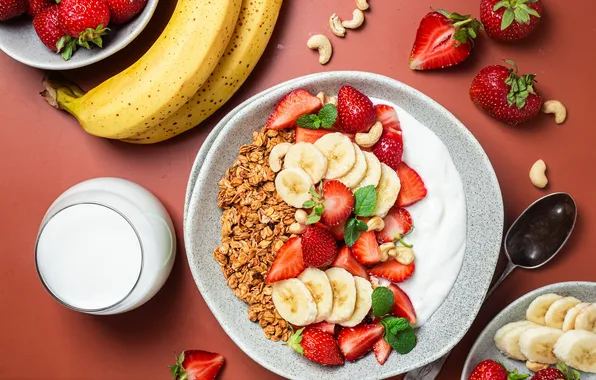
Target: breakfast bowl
[(441, 326), (20, 42)]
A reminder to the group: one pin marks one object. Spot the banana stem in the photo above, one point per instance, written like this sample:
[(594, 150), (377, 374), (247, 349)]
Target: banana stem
[(61, 94)]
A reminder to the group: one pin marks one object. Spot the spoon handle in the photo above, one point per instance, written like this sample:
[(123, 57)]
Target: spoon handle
[(508, 269)]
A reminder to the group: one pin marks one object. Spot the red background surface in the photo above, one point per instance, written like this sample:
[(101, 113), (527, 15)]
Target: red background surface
[(43, 152)]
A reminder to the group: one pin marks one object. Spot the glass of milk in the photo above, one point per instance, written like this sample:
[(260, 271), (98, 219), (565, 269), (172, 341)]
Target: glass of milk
[(105, 246)]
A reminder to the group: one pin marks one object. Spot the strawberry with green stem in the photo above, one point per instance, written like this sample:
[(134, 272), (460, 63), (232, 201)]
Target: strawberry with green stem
[(85, 20), (510, 20), (49, 31)]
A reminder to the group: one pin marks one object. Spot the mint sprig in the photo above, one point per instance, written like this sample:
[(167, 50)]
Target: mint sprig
[(366, 202), (382, 301), (353, 229), (399, 334), (326, 117)]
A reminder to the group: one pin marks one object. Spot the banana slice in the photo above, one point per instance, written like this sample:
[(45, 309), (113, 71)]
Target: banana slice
[(340, 154), (555, 315), (538, 308), (577, 349), (293, 185), (356, 174), (373, 171), (387, 191), (537, 344), (293, 302), (318, 284), (307, 157), (586, 319), (364, 292), (507, 338), (344, 294), (569, 322)]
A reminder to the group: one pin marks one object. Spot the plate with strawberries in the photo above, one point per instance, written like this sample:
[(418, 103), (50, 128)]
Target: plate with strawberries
[(344, 225)]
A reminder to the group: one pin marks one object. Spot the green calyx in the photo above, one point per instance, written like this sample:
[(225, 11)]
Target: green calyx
[(466, 27), (66, 46), (316, 204), (92, 35), (568, 373), (520, 86), (515, 10), (178, 372), (294, 342)]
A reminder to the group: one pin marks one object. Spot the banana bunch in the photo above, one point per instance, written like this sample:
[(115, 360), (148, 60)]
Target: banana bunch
[(203, 56), (557, 329)]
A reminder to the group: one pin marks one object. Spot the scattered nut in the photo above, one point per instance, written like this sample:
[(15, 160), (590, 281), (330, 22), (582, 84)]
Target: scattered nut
[(336, 27), (301, 216), (405, 255), (374, 282), (356, 21), (375, 223), (557, 108), (392, 252), (277, 154), (385, 248), (369, 139), (362, 4), (538, 174), (326, 99), (535, 367), (296, 228), (384, 256), (323, 45)]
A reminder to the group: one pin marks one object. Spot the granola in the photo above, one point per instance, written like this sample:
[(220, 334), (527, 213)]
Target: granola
[(255, 225)]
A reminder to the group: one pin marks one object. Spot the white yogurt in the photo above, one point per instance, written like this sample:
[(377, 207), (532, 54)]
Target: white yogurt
[(439, 235)]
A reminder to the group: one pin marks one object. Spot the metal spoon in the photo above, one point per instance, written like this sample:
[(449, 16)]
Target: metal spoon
[(533, 240)]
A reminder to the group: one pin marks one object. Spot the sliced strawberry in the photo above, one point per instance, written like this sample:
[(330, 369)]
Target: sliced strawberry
[(392, 270), (316, 345), (390, 148), (197, 365), (387, 116), (291, 107), (402, 306), (355, 111), (412, 186), (319, 247), (338, 202), (338, 231), (327, 327), (398, 223), (366, 249), (346, 260), (382, 349), (310, 135), (356, 341), (288, 262)]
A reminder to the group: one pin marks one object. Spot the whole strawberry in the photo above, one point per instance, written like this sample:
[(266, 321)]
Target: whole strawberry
[(492, 370), (86, 20), (505, 95), (510, 20), (562, 372), (316, 345), (319, 247), (124, 10), (36, 6), (12, 8), (49, 31), (355, 111)]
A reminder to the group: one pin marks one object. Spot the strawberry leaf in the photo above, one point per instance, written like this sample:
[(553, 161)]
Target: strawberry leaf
[(500, 4), (295, 340), (520, 86), (508, 18)]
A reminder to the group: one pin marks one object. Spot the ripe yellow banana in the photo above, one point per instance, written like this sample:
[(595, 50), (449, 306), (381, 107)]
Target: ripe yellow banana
[(161, 81), (253, 30)]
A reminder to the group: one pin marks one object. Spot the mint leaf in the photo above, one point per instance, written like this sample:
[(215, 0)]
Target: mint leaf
[(394, 325), (315, 215), (307, 121), (382, 301), (361, 226), (328, 115), (403, 342), (308, 204), (350, 233), (366, 200)]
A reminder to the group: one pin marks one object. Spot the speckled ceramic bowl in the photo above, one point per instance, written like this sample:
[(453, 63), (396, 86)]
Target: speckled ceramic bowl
[(19, 41), (484, 231), (485, 348)]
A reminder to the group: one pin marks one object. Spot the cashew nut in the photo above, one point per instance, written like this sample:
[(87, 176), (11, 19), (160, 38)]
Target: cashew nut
[(362, 4), (538, 174), (277, 154), (392, 252), (336, 27), (296, 228), (535, 367), (369, 139), (321, 43), (356, 21), (326, 99), (405, 255), (557, 108), (385, 248), (301, 216), (375, 223)]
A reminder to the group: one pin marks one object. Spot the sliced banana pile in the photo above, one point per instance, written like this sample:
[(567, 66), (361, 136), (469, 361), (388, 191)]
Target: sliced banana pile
[(334, 296), (333, 156), (557, 329)]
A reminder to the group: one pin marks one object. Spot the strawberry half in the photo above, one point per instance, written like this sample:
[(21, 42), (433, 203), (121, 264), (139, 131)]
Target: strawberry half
[(197, 365), (291, 107), (443, 39), (288, 262), (327, 327), (319, 247), (390, 148), (398, 223), (356, 341), (412, 187), (366, 249), (393, 270), (355, 111), (346, 260), (338, 203), (382, 349), (387, 116), (310, 135), (402, 305), (316, 345)]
